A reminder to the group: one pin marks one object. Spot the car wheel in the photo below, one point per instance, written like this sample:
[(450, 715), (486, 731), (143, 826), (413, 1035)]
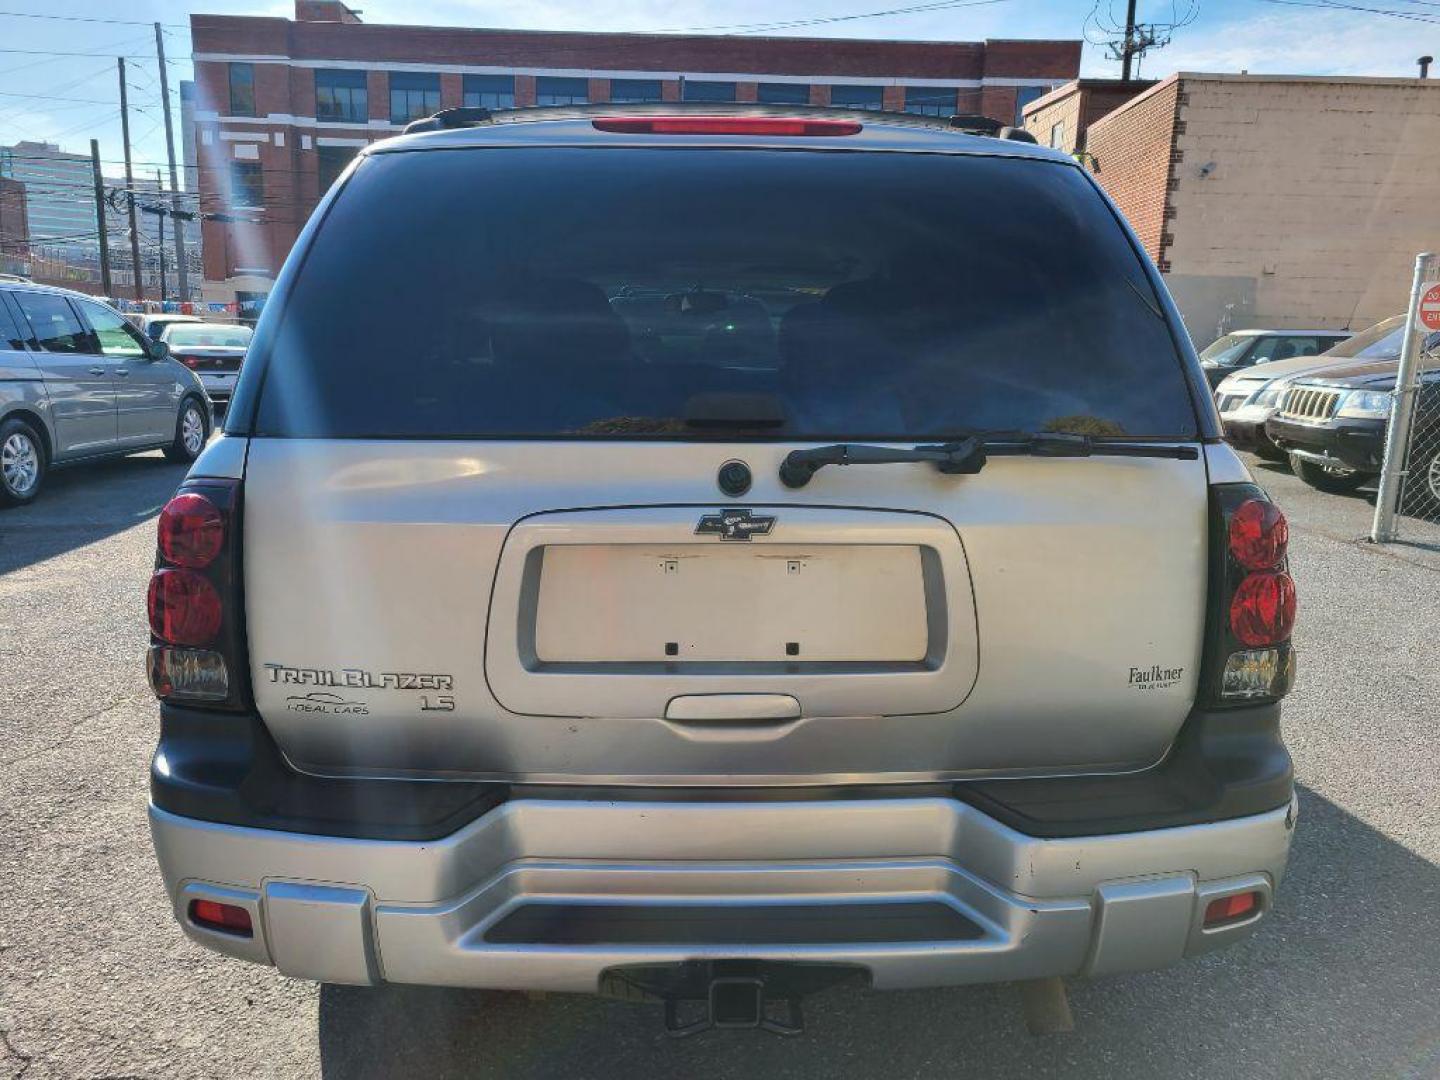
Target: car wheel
[(1422, 488), (192, 428), (1336, 481), (22, 463)]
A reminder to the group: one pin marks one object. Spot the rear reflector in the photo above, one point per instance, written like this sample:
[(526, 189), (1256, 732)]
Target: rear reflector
[(184, 607), (724, 125), (1230, 909), (225, 918)]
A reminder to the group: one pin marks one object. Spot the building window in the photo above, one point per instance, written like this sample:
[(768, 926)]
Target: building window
[(1023, 96), (857, 97), (1057, 135), (552, 90), (633, 90), (341, 96), (489, 92), (707, 90), (242, 89), (413, 94), (932, 100), (783, 93), (247, 185), (333, 160)]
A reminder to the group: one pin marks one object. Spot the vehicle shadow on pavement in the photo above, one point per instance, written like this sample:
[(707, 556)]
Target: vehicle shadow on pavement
[(1341, 982), (85, 503)]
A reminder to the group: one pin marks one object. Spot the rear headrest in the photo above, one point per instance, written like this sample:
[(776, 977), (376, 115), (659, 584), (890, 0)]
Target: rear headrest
[(558, 319)]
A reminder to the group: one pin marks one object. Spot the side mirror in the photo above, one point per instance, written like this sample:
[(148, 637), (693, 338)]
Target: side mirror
[(159, 350)]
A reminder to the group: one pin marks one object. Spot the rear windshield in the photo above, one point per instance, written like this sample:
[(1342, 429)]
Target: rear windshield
[(692, 293)]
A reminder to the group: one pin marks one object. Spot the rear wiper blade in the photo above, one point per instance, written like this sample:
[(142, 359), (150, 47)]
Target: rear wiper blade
[(1063, 444), (965, 456), (968, 455)]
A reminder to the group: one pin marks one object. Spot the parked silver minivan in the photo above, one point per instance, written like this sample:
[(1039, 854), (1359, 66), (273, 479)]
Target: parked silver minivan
[(79, 382), (810, 556)]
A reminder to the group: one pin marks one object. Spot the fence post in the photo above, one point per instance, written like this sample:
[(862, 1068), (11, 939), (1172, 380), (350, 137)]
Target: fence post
[(1402, 413)]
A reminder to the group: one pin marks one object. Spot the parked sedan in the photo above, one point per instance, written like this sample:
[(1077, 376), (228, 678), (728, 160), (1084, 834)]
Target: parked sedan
[(78, 382), (214, 351), (1250, 396), (1246, 348)]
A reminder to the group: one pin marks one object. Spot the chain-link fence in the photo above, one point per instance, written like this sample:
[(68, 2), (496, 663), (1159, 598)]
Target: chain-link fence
[(1410, 480)]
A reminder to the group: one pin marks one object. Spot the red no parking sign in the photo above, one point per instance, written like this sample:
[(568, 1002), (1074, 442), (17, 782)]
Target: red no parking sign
[(1430, 305)]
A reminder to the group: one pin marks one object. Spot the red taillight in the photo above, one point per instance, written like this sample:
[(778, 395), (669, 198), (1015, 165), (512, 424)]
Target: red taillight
[(1262, 612), (1259, 535), (188, 361), (226, 918), (184, 607), (192, 532), (1229, 909), (724, 125)]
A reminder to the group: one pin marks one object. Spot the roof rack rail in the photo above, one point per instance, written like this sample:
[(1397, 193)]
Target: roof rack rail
[(969, 123), (975, 124), (447, 119)]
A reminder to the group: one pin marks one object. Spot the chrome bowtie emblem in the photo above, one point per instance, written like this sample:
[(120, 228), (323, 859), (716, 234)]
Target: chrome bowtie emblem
[(734, 525)]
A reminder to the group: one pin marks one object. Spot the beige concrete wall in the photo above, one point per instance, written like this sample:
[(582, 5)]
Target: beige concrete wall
[(1065, 110), (1305, 198)]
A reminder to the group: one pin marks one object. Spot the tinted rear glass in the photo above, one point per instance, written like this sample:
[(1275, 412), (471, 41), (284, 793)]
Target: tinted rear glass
[(719, 293)]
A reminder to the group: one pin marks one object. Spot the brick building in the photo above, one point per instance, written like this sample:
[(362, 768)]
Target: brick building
[(1274, 200), (1060, 118), (14, 226), (281, 106)]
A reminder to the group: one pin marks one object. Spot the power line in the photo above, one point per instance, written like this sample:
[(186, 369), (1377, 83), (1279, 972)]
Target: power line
[(1326, 5), (937, 5)]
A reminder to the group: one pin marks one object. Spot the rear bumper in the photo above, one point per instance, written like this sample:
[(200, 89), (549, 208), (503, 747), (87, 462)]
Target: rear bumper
[(1351, 444), (523, 886), (550, 894)]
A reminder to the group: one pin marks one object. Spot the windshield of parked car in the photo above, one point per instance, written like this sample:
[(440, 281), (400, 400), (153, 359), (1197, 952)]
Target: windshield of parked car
[(711, 293), (195, 335), (1226, 350)]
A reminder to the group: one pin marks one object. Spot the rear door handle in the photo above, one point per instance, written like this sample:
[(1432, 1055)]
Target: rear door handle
[(122, 371), (732, 708), (97, 371)]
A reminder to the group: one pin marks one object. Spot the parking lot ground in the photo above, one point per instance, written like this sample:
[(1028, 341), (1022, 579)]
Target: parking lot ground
[(96, 981)]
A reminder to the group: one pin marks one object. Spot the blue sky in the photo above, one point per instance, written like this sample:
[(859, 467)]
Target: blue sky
[(1226, 35)]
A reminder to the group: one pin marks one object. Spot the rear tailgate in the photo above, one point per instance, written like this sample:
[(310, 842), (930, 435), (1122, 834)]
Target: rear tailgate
[(431, 608)]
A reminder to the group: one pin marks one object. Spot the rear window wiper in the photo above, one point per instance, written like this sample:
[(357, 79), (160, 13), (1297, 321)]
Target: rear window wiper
[(969, 455)]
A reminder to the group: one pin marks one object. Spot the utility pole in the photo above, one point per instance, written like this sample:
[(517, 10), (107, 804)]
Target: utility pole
[(105, 282), (160, 192), (1139, 39), (130, 186), (1127, 48), (182, 268)]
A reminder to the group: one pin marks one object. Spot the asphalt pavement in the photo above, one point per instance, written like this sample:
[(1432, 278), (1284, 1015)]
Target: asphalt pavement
[(96, 980)]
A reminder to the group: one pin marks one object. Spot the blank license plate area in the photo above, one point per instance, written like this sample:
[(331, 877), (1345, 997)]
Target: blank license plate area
[(625, 603)]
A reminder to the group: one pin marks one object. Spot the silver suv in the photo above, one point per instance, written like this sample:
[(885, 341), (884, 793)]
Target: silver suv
[(791, 549), (78, 382)]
